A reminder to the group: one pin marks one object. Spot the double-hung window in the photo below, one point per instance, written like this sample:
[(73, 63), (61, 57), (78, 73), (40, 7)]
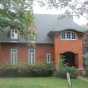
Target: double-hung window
[(14, 55), (31, 56), (49, 58)]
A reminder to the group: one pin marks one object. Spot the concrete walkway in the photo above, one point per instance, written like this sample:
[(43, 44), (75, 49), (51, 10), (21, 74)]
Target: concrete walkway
[(82, 78)]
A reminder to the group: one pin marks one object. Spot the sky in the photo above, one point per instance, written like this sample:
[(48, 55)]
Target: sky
[(45, 10)]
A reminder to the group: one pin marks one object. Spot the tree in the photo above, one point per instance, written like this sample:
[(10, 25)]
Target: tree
[(70, 7), (16, 14)]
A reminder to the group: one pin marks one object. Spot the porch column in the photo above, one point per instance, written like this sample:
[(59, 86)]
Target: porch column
[(56, 60), (80, 62), (56, 51)]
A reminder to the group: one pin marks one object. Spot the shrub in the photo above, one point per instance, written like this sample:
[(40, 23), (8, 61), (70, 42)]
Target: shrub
[(26, 70), (86, 72), (64, 69), (41, 70), (73, 71), (62, 72)]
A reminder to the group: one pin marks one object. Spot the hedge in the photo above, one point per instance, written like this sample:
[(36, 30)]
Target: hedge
[(23, 70)]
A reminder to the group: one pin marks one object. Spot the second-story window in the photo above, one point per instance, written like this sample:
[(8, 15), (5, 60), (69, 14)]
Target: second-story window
[(68, 35), (14, 34)]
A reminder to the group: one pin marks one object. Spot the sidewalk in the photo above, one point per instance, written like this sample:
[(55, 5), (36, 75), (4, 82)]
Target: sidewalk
[(82, 78)]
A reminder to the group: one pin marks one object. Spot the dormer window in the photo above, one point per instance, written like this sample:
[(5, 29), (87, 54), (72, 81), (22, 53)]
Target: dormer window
[(14, 34), (68, 35), (32, 36)]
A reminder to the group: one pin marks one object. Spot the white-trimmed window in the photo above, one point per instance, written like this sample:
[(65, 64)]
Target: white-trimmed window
[(68, 35), (14, 55), (31, 56), (49, 58), (14, 34)]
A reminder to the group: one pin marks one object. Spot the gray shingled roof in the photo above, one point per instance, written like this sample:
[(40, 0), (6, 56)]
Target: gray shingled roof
[(46, 23)]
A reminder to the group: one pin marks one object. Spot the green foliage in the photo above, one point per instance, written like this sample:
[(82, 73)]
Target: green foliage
[(86, 65), (62, 72), (86, 60), (86, 70), (64, 69), (26, 70), (86, 73), (73, 71), (16, 14)]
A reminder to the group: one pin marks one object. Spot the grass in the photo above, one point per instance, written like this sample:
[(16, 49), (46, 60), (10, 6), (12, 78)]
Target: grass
[(49, 82)]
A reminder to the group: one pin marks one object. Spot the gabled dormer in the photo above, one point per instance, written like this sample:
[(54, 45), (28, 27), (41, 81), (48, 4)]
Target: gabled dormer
[(14, 34)]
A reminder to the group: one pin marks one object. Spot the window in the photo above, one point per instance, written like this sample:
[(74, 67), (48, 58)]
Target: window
[(14, 34), (68, 35), (73, 35), (49, 58), (32, 37), (31, 56), (85, 49), (14, 56)]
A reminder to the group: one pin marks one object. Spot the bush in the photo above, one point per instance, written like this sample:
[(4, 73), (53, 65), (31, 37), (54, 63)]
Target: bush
[(73, 71), (86, 71), (62, 72), (63, 69), (26, 70)]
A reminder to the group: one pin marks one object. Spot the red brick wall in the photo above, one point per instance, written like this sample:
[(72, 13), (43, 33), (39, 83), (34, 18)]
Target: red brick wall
[(57, 49), (62, 46), (5, 53), (41, 50)]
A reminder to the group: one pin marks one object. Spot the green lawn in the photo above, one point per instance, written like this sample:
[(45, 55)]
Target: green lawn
[(40, 83)]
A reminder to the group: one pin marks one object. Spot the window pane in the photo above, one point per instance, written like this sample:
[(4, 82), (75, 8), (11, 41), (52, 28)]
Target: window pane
[(73, 35), (14, 34), (49, 58), (31, 56), (62, 35), (68, 35), (14, 56)]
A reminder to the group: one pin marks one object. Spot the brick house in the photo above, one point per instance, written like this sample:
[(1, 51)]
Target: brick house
[(54, 40)]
